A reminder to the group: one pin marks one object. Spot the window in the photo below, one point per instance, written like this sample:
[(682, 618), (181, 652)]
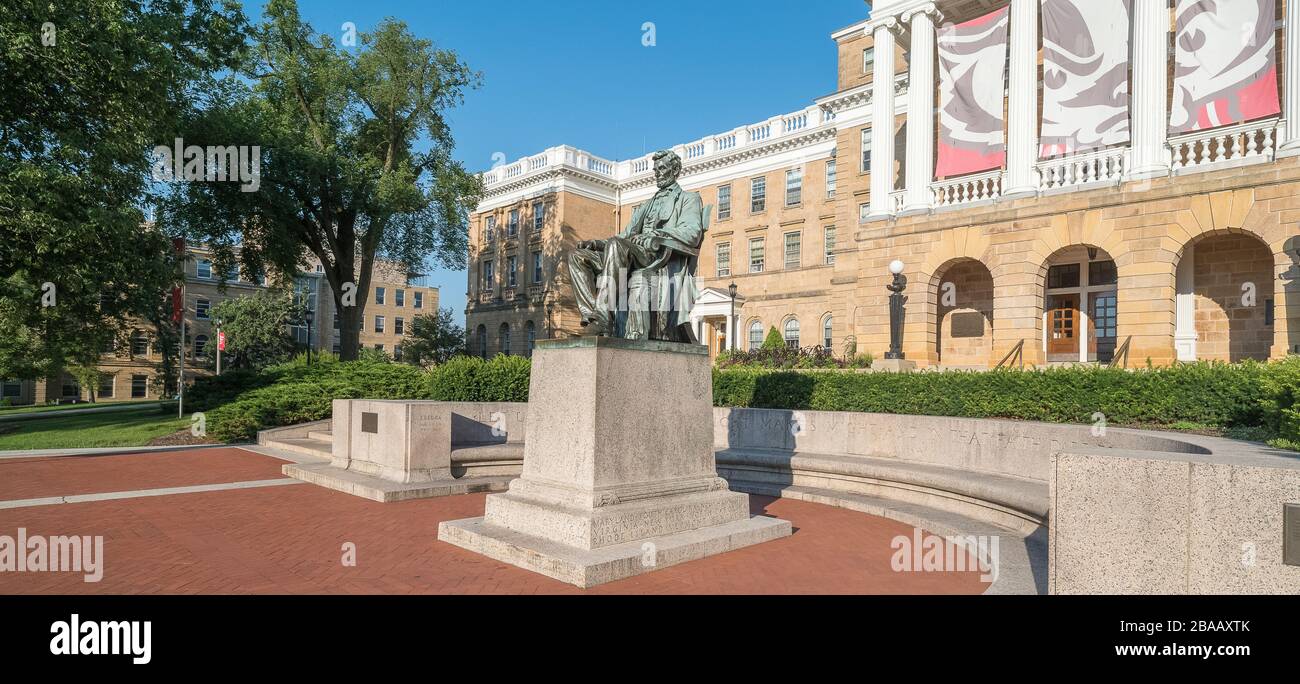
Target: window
[(232, 274), (757, 194), (397, 352), (830, 179), (724, 202), (201, 309), (512, 226), (336, 320), (379, 324), (503, 338), (200, 345), (1064, 275), (482, 341), (379, 295), (828, 245), (489, 278), (792, 333), (868, 60), (724, 259), (1102, 273), (399, 297), (512, 265), (532, 337), (419, 300), (756, 255), (793, 187), (320, 268), (866, 150), (490, 228), (755, 335), (827, 327), (399, 326), (539, 215), (106, 386), (792, 249), (204, 269), (537, 267), (139, 386), (139, 344)]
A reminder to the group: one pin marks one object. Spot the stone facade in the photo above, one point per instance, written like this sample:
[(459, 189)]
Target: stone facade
[(1097, 263)]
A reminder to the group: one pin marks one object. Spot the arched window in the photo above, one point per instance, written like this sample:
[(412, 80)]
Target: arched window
[(792, 333), (755, 335), (503, 338), (482, 341), (826, 332), (200, 344), (532, 337)]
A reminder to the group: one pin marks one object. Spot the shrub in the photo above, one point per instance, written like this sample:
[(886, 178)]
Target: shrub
[(455, 380), (773, 340), (504, 378)]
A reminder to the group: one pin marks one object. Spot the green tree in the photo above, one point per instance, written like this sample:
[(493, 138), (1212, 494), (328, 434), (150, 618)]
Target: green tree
[(356, 158), (257, 329), (433, 338), (773, 339), (88, 88)]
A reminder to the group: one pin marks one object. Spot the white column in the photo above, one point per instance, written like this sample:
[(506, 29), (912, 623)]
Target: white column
[(731, 330), (920, 108), (1021, 178), (882, 119), (1185, 306), (1291, 97), (1150, 110)]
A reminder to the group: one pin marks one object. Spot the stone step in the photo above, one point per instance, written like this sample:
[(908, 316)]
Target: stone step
[(322, 435), (303, 445)]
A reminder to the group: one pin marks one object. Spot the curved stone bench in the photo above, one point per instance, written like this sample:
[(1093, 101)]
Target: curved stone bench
[(487, 458)]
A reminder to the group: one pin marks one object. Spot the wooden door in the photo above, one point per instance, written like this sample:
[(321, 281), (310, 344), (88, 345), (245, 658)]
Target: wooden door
[(1063, 325)]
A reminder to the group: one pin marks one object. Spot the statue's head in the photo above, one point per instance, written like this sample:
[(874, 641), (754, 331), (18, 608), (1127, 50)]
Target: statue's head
[(668, 166)]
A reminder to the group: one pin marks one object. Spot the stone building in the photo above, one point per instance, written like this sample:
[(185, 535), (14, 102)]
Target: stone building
[(130, 370), (1171, 245)]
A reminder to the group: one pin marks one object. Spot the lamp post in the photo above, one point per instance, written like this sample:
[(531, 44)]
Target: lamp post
[(308, 319), (896, 300), (731, 322), (219, 346)]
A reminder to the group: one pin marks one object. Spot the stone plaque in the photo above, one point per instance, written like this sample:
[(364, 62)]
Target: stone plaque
[(370, 422), (968, 324), (1291, 534)]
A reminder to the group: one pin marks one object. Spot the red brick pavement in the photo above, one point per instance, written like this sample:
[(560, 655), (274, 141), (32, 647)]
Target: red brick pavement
[(289, 540), (30, 478)]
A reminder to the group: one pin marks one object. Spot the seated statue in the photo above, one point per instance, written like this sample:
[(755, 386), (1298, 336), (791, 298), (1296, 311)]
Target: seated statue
[(654, 258)]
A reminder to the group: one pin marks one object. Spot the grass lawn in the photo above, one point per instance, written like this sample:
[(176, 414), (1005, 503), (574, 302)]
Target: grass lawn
[(40, 408), (104, 429)]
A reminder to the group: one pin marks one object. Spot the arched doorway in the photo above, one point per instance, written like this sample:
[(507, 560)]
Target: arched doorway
[(1080, 312), (964, 315), (1226, 295)]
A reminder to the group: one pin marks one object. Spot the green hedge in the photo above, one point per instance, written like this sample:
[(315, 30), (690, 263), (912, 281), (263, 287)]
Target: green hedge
[(240, 405)]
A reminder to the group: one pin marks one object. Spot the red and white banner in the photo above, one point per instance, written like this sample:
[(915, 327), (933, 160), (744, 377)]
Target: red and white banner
[(972, 61), (1225, 63), (1085, 75)]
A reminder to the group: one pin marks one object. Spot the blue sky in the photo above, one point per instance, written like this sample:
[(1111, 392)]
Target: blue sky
[(576, 72)]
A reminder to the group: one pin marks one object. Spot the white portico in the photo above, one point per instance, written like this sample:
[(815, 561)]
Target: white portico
[(715, 321)]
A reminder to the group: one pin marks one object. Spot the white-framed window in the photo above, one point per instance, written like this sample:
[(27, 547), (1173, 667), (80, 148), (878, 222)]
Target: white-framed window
[(793, 249), (756, 255), (830, 178), (755, 335), (539, 215), (724, 202), (202, 309), (482, 341), (399, 326), (490, 228), (724, 259), (379, 324), (512, 266), (397, 352), (232, 274), (828, 245), (379, 295), (868, 60), (791, 333), (489, 278), (419, 300), (503, 338), (399, 297), (203, 269), (512, 226), (866, 150), (757, 194), (537, 267), (139, 344), (828, 327), (793, 187)]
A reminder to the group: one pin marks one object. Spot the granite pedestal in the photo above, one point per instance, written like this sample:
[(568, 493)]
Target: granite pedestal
[(619, 475)]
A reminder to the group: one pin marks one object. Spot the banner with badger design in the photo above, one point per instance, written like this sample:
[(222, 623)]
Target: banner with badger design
[(1085, 75), (1225, 63), (972, 61)]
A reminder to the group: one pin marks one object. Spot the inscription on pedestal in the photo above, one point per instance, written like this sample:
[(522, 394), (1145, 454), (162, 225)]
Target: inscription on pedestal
[(370, 422)]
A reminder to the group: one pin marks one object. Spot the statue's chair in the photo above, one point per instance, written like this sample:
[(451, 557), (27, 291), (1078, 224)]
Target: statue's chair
[(661, 295)]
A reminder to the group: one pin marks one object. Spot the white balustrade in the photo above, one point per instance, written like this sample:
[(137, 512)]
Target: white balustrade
[(1098, 166), (896, 200), (725, 142), (967, 189), (790, 124), (695, 150), (1251, 140)]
